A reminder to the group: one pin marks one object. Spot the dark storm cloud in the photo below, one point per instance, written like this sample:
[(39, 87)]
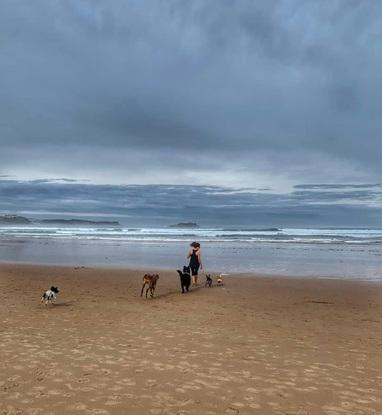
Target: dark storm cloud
[(207, 205), (168, 91)]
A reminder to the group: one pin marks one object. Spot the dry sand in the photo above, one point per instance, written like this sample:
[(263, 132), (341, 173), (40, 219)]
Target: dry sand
[(255, 346)]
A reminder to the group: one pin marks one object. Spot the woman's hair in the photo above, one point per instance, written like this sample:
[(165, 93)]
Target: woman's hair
[(195, 244)]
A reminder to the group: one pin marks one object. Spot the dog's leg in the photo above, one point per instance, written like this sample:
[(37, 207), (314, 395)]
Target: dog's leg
[(143, 286), (181, 281)]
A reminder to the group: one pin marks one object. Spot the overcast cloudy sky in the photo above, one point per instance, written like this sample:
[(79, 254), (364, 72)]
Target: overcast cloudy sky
[(280, 97)]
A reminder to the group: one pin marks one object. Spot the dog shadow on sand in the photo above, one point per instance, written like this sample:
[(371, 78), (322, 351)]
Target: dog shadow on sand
[(58, 305), (63, 304), (174, 293)]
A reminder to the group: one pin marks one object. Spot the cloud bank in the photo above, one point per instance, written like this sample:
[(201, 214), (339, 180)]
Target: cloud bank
[(162, 205), (239, 94)]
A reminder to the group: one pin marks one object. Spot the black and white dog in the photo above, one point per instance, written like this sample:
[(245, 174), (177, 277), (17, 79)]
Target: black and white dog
[(50, 295), (185, 278)]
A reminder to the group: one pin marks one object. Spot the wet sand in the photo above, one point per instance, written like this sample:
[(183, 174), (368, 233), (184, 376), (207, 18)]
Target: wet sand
[(254, 346)]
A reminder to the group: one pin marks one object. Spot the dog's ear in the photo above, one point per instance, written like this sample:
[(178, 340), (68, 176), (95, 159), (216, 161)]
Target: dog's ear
[(52, 288)]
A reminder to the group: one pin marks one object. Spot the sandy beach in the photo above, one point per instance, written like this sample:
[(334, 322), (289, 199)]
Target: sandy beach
[(257, 345)]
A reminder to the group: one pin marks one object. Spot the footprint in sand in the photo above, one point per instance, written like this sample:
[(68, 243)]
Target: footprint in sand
[(9, 386), (54, 392), (83, 380), (79, 406), (232, 411), (35, 411), (10, 410), (112, 403)]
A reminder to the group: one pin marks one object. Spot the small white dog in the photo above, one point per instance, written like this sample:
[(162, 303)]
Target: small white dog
[(50, 295)]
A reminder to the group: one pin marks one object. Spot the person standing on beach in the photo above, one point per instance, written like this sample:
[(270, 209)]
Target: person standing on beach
[(195, 261)]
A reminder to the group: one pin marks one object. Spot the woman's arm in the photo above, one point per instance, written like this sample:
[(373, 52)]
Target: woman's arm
[(199, 254), (189, 253)]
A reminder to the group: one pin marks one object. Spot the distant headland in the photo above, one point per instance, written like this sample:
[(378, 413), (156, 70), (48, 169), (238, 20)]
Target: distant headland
[(21, 220), (14, 220)]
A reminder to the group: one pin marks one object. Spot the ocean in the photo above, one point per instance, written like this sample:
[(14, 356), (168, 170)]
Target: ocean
[(336, 253)]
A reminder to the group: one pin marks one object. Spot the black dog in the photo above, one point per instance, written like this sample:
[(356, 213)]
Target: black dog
[(185, 278), (208, 282)]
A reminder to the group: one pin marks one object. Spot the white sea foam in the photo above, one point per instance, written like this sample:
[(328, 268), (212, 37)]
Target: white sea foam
[(283, 235)]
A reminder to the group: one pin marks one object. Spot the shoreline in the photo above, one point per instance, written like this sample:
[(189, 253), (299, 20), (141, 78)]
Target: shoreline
[(260, 258), (150, 269), (253, 346)]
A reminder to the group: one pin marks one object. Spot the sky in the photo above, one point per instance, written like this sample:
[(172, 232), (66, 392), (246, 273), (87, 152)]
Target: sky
[(218, 111)]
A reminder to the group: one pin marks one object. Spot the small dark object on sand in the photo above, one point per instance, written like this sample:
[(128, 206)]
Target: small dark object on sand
[(208, 282)]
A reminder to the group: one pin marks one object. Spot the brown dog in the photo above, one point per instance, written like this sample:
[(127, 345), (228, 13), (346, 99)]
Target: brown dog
[(151, 281)]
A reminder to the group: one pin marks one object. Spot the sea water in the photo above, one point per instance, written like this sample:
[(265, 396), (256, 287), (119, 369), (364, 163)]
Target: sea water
[(338, 253)]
